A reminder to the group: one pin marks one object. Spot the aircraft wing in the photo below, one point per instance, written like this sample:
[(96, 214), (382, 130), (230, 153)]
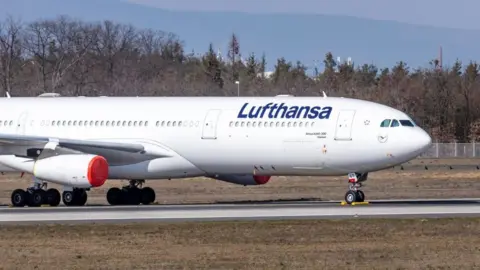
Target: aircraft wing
[(116, 152)]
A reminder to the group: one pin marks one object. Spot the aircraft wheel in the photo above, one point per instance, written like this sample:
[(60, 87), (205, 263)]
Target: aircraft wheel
[(53, 197), (351, 196), (80, 197), (114, 196), (36, 198), (19, 198), (133, 196), (360, 196), (148, 195), (68, 198)]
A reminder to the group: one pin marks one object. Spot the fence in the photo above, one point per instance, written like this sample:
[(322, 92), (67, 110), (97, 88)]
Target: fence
[(453, 150)]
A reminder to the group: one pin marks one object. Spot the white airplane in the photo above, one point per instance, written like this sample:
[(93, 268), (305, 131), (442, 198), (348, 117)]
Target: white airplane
[(80, 142)]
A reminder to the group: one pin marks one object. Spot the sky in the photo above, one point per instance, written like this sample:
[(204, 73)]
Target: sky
[(444, 13)]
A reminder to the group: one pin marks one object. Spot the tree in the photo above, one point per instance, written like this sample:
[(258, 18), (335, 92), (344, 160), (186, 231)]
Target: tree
[(252, 66), (10, 52), (234, 56)]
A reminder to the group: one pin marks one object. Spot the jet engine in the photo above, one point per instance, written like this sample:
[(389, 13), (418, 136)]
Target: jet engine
[(80, 171), (246, 180)]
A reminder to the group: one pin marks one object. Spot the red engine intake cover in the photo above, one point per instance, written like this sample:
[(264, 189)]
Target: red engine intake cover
[(97, 171)]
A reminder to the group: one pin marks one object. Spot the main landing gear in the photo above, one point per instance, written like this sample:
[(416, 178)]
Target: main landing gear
[(132, 194), (355, 182), (38, 194), (35, 196)]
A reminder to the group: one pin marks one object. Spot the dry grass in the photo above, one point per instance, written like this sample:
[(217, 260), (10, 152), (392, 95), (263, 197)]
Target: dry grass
[(380, 185), (377, 244)]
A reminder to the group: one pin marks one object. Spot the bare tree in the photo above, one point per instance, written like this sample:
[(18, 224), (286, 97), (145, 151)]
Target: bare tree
[(10, 52)]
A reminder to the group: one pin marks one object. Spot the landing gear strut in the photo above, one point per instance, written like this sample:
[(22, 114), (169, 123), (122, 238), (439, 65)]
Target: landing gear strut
[(35, 196), (132, 194), (355, 182)]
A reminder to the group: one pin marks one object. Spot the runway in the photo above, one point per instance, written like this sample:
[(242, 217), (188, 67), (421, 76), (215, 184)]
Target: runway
[(251, 211)]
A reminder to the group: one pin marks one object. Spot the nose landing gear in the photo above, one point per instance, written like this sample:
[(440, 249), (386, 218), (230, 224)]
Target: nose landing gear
[(355, 183)]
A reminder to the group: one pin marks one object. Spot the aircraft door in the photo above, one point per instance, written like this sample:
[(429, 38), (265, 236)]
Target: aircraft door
[(343, 130), (210, 125), (22, 123)]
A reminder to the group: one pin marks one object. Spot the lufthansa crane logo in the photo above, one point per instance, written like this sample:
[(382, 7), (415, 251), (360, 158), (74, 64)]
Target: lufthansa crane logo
[(382, 138)]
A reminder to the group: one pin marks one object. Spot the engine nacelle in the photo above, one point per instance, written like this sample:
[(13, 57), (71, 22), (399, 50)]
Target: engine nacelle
[(245, 180), (82, 171)]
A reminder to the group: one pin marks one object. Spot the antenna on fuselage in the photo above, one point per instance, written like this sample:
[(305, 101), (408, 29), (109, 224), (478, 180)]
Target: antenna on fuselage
[(324, 95)]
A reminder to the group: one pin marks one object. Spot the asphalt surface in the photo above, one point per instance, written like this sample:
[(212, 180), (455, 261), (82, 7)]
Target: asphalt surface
[(243, 211)]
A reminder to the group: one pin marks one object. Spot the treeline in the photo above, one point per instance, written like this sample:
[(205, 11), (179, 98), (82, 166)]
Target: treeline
[(74, 58)]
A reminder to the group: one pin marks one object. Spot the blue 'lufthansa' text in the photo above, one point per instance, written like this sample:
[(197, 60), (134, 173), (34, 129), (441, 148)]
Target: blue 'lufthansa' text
[(274, 110)]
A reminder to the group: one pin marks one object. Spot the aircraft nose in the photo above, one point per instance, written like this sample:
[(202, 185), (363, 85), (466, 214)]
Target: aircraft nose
[(423, 139)]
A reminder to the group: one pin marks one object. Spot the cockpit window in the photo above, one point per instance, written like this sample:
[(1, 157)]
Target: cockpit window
[(407, 123), (385, 123), (395, 123)]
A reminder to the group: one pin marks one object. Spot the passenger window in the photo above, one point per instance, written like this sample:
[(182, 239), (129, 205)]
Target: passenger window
[(395, 123), (406, 123)]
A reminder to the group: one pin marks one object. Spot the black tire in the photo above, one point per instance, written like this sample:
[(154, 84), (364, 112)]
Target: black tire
[(114, 196), (81, 197), (360, 196), (68, 198), (19, 198), (351, 197), (37, 198), (147, 196), (53, 197), (133, 196)]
